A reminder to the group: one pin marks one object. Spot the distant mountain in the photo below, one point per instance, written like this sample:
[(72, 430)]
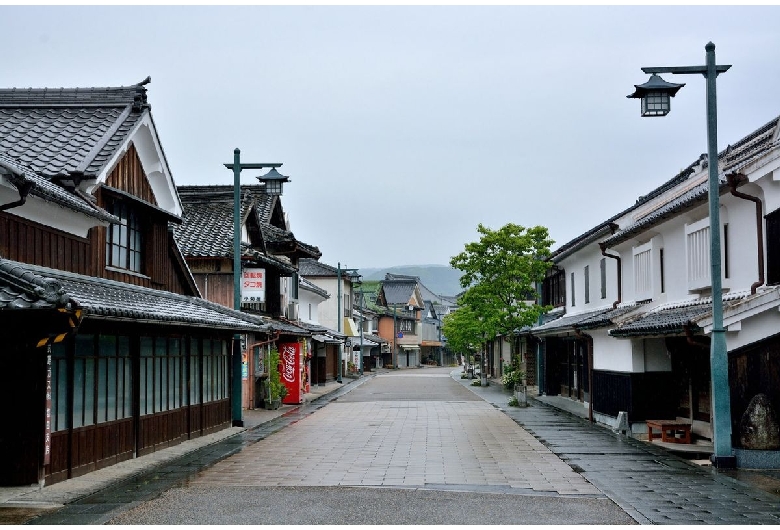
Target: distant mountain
[(441, 279)]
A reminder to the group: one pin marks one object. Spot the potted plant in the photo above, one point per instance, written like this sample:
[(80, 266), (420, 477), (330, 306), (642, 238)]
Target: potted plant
[(276, 389), (513, 381)]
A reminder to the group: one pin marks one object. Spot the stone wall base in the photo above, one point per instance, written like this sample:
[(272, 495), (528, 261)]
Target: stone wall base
[(755, 459)]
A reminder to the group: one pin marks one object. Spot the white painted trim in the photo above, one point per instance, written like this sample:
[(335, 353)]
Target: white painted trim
[(147, 143)]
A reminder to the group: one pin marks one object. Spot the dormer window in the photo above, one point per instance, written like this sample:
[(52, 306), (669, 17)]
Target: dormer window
[(124, 241)]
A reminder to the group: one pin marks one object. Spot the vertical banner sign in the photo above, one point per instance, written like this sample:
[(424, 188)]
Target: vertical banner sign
[(47, 427), (290, 354), (253, 286), (306, 353)]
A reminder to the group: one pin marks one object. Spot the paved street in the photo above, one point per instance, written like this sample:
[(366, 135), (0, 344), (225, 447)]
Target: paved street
[(424, 447), (439, 453)]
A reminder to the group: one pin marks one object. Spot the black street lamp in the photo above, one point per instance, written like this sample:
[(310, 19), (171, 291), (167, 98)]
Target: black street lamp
[(273, 181), (655, 96)]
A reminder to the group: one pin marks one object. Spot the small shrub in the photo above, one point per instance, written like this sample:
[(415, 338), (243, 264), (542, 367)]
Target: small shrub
[(513, 402), (512, 376), (476, 383)]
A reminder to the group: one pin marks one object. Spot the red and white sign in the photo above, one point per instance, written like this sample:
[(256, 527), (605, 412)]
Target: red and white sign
[(47, 425), (253, 286), (290, 371)]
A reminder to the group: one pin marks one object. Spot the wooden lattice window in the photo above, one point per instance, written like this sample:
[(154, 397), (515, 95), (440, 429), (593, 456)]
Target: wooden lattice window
[(124, 240)]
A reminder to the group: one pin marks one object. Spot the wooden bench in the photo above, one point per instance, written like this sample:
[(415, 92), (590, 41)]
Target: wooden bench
[(669, 431)]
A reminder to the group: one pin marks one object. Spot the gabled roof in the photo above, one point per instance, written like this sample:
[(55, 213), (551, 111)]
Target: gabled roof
[(107, 299), (303, 283), (75, 136), (316, 269), (731, 160), (22, 177), (207, 223), (58, 132), (399, 291)]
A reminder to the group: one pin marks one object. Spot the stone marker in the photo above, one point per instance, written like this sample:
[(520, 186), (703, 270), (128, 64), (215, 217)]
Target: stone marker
[(759, 428)]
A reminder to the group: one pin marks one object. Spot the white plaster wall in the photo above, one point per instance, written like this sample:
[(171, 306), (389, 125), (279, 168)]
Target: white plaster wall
[(610, 353), (754, 329), (590, 256), (328, 309), (307, 299), (49, 214), (742, 250)]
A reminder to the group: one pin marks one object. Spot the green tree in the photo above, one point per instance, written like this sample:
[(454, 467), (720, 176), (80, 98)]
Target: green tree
[(500, 272), (463, 331)]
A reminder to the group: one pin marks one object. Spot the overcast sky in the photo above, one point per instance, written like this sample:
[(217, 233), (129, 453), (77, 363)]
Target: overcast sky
[(403, 128)]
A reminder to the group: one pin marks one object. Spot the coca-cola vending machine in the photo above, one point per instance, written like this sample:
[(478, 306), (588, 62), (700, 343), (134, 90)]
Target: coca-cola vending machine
[(290, 368)]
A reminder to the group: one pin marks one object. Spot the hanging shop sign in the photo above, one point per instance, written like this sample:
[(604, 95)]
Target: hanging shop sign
[(253, 286)]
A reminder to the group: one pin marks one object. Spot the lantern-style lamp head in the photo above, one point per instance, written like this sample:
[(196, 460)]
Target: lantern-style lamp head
[(655, 95), (273, 181)]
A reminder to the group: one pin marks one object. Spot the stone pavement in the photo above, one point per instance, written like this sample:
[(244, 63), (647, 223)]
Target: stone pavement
[(19, 504), (402, 432), (649, 483)]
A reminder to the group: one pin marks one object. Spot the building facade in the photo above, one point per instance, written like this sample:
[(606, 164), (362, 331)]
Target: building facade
[(112, 353)]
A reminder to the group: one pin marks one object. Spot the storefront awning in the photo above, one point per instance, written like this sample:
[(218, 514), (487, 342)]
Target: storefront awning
[(350, 329), (409, 346), (326, 339)]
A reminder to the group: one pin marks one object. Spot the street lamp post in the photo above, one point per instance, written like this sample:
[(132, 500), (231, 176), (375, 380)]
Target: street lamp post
[(655, 102), (338, 323), (237, 166), (395, 336)]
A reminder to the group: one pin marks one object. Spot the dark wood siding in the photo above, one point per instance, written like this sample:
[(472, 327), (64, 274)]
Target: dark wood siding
[(773, 248), (216, 287), (753, 370), (129, 176), (643, 395), (29, 242), (161, 430)]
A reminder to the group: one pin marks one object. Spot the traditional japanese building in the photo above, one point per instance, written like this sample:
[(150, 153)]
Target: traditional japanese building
[(110, 351)]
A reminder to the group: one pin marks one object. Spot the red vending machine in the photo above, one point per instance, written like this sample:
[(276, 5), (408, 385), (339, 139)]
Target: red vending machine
[(290, 356)]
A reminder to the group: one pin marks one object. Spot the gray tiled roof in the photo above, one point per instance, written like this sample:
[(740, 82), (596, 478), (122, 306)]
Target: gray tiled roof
[(672, 319), (312, 267), (283, 267), (272, 324), (207, 220), (207, 225), (20, 288), (607, 318), (732, 159), (664, 321), (398, 291), (62, 131), (114, 300), (306, 284), (568, 322), (319, 329), (375, 338), (687, 201), (20, 176)]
